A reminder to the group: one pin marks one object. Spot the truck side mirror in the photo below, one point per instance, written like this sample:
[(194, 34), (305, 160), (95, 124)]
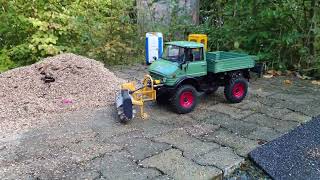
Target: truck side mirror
[(184, 66), (181, 65)]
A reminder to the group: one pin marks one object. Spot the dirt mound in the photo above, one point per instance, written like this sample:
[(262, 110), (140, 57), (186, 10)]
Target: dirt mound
[(56, 84)]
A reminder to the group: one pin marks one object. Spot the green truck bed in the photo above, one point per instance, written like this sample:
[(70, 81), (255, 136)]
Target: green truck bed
[(221, 61)]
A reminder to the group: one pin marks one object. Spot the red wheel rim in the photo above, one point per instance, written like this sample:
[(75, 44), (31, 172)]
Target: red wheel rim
[(186, 99), (238, 90)]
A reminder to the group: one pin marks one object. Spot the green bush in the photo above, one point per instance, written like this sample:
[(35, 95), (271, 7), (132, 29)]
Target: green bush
[(285, 34), (101, 29), (5, 61), (282, 33)]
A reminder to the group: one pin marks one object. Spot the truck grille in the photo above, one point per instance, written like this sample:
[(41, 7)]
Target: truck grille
[(156, 75)]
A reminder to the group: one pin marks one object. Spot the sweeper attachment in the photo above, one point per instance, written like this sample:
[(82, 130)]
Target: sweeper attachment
[(130, 96)]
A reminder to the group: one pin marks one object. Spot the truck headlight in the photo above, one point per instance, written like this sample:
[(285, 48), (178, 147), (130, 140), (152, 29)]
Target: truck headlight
[(157, 81)]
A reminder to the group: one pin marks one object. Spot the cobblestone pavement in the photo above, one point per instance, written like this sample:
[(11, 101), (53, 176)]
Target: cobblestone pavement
[(209, 143)]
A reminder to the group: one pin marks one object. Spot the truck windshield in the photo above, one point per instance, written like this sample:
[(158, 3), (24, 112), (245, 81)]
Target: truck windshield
[(173, 53)]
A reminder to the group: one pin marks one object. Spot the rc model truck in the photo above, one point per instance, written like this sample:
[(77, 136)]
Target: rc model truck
[(183, 72)]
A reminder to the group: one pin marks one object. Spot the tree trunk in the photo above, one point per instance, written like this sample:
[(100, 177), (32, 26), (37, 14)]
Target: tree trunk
[(255, 8), (312, 20), (153, 15)]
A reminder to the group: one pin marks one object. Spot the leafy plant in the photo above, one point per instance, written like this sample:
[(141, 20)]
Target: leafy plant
[(100, 29), (285, 34), (282, 33)]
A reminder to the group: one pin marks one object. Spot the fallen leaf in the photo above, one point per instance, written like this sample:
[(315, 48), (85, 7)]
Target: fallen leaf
[(271, 72), (261, 141), (278, 73), (268, 76), (274, 72), (297, 75), (315, 82), (288, 73), (306, 77), (302, 77), (287, 82)]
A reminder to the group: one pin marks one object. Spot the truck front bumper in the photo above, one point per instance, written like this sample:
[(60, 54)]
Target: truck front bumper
[(165, 90)]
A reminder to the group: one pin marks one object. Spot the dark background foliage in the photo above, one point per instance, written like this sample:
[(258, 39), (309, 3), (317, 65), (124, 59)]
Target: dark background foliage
[(285, 34)]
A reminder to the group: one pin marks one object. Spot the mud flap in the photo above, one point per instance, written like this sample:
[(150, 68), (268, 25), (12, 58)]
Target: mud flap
[(259, 68)]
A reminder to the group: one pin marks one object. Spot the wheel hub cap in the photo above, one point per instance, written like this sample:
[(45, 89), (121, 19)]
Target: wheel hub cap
[(238, 90), (186, 99)]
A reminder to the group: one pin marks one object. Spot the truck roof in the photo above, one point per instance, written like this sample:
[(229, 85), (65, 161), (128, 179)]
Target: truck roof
[(188, 44)]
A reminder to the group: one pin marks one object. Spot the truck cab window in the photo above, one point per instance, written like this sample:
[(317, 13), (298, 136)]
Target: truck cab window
[(194, 54), (173, 53), (189, 55)]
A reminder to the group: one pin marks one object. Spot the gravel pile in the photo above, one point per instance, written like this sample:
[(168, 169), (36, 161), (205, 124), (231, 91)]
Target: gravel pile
[(58, 84)]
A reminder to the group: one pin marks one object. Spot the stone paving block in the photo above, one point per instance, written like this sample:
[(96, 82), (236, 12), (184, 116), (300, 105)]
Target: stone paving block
[(83, 174), (163, 177), (264, 133), (247, 104), (94, 145), (252, 105), (309, 109), (293, 116), (164, 115), (151, 128), (212, 99), (201, 129), (126, 138), (54, 166), (176, 120), (224, 158), (277, 124), (89, 149), (139, 147), (257, 106), (200, 114), (173, 163), (119, 165), (242, 146), (191, 146), (260, 92), (231, 111), (267, 101), (234, 125), (297, 98), (274, 112), (106, 124), (78, 145), (158, 112)]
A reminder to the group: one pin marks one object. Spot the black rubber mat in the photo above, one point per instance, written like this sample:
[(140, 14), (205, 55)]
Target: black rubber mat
[(295, 155)]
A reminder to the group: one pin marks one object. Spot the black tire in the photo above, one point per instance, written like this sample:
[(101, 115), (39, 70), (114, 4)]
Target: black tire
[(188, 102), (236, 90), (163, 98)]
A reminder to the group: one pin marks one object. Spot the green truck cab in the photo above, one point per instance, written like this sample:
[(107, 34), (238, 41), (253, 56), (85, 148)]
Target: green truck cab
[(185, 70)]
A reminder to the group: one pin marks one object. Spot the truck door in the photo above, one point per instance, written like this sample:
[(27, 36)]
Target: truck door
[(195, 62)]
